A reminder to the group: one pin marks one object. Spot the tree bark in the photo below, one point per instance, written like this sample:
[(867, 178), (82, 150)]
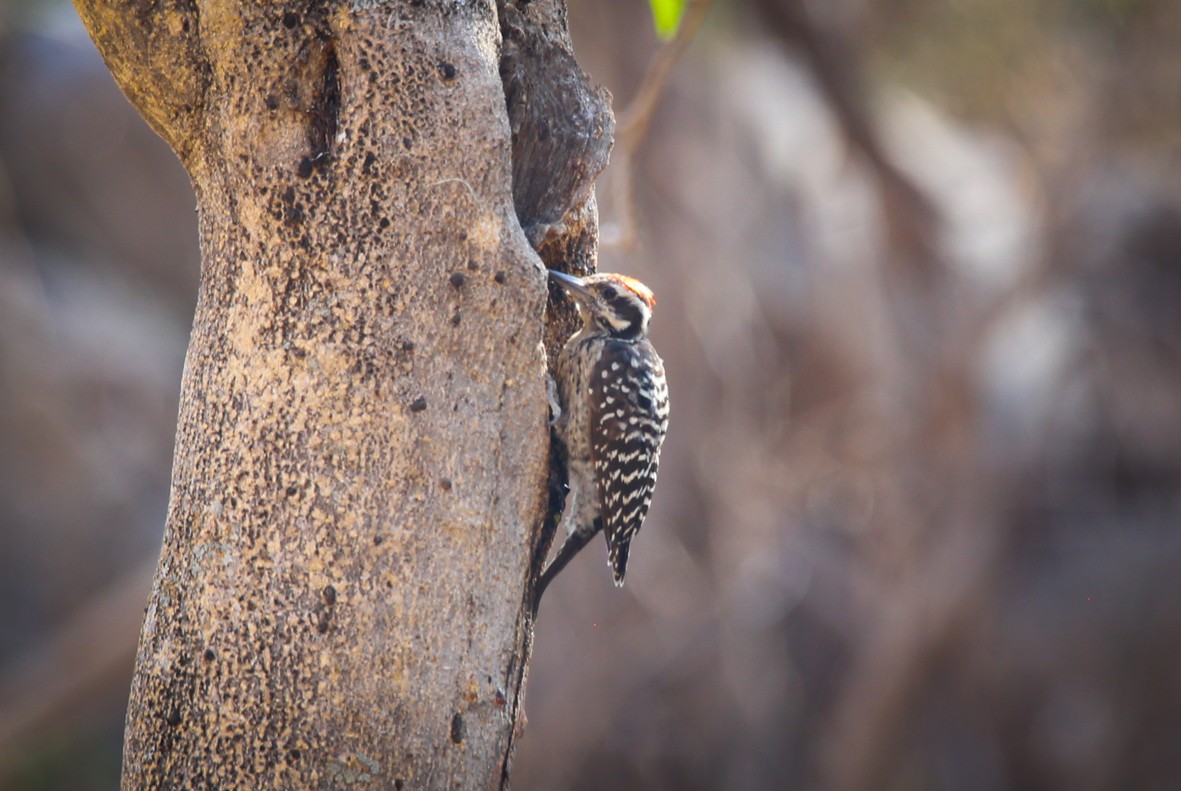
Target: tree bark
[(361, 485)]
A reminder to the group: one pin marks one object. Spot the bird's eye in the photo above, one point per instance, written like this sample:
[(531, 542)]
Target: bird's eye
[(610, 293)]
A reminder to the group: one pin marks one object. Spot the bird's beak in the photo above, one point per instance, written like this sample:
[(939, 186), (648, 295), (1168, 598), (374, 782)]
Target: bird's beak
[(573, 285)]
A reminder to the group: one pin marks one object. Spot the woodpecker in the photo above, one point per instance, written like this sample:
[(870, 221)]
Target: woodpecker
[(613, 399)]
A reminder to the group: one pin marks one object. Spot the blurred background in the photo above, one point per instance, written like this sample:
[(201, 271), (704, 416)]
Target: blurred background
[(918, 265)]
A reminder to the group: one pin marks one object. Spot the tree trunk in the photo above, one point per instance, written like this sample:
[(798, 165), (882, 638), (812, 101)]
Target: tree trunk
[(360, 478)]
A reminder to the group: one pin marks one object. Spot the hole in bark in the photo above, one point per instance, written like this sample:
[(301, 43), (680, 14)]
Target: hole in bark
[(290, 20), (209, 655), (326, 110), (418, 405), (447, 71), (499, 277), (458, 279)]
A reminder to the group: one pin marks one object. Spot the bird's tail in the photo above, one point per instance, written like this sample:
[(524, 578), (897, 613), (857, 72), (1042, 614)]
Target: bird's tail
[(617, 557)]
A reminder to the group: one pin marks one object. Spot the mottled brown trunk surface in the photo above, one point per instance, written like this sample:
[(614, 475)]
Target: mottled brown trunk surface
[(362, 453)]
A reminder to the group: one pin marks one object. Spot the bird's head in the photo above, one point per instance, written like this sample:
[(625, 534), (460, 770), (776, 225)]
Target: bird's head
[(616, 305)]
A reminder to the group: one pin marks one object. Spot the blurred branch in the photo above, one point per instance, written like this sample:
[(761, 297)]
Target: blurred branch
[(51, 680), (909, 215), (950, 530), (913, 628), (946, 596), (634, 121)]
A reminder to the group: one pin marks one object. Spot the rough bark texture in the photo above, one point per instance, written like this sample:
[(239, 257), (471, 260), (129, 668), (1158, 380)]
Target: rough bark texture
[(361, 468)]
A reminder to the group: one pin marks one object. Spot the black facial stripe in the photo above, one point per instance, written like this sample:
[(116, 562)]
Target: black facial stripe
[(625, 308)]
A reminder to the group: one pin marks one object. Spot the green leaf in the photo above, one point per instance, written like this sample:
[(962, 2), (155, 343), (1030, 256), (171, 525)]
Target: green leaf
[(666, 15)]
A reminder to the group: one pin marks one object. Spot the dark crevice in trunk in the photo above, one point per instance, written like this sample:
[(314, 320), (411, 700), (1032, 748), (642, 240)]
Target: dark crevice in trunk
[(326, 111)]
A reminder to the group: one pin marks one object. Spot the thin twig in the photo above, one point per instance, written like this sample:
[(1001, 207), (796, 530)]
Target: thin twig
[(635, 119)]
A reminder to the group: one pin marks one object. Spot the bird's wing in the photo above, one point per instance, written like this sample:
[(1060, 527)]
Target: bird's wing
[(628, 417)]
